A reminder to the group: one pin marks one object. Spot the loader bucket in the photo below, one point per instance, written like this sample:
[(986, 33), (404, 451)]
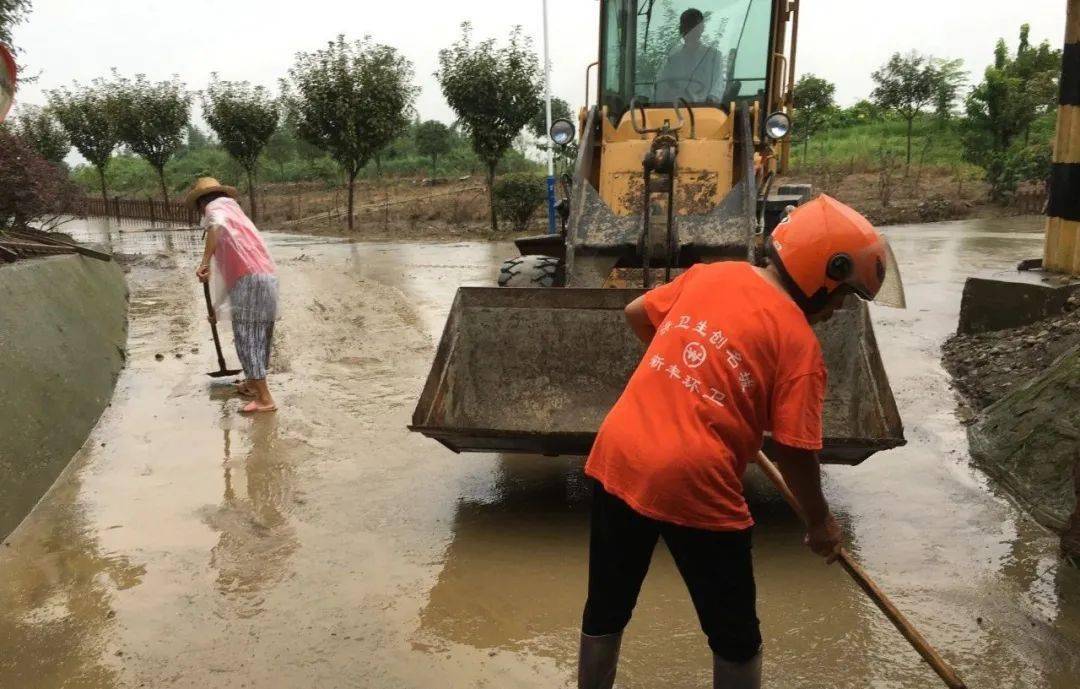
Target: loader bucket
[(536, 371)]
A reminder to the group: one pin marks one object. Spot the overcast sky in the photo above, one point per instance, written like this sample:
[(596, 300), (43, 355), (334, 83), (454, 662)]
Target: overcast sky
[(841, 40)]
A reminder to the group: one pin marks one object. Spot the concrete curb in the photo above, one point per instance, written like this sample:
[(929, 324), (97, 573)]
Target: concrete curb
[(63, 329)]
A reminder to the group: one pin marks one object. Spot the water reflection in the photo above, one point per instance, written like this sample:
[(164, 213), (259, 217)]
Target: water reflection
[(136, 238), (57, 596), (515, 573), (518, 542), (512, 572), (256, 538), (979, 579)]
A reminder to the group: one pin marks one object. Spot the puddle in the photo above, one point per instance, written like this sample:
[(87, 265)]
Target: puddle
[(189, 545)]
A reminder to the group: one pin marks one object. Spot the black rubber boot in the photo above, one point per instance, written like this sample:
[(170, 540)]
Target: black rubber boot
[(598, 657), (729, 675)]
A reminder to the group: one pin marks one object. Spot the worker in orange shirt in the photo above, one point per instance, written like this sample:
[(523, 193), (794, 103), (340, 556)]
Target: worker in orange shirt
[(730, 355)]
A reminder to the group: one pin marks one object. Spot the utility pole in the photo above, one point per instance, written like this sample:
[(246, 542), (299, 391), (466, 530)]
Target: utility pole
[(1062, 249), (548, 144)]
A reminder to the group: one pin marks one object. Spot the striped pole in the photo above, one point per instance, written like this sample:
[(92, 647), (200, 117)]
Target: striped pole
[(1062, 252)]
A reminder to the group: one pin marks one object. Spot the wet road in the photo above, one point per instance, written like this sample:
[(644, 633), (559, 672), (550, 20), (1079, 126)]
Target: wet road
[(326, 546)]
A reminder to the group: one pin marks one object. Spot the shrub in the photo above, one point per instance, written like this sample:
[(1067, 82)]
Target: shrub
[(33, 191), (1006, 170), (517, 196)]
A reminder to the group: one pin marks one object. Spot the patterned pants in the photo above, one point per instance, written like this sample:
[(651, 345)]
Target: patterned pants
[(254, 309)]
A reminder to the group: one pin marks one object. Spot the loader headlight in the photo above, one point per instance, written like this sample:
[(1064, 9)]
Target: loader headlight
[(562, 132), (778, 125)]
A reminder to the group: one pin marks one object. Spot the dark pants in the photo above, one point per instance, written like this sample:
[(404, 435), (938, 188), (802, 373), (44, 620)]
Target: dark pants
[(716, 566)]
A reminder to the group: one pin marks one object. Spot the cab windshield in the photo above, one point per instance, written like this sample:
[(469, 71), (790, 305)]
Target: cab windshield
[(707, 52)]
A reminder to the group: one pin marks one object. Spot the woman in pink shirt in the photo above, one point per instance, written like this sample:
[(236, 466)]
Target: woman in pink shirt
[(243, 279)]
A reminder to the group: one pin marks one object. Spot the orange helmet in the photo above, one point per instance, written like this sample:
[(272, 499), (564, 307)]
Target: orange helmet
[(824, 245)]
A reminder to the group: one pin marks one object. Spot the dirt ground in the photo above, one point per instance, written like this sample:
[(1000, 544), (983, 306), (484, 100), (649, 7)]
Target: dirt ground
[(326, 546), (930, 195), (417, 209), (387, 209), (988, 366)]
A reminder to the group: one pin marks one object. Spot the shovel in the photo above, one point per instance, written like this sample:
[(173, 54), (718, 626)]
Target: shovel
[(222, 372)]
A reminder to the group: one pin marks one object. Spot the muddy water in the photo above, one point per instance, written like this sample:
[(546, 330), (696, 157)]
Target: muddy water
[(326, 546)]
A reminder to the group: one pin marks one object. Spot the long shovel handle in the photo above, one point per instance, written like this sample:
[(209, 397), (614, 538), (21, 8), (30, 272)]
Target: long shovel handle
[(929, 654), (213, 326)]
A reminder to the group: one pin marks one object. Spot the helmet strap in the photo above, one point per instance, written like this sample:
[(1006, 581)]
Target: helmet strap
[(809, 305)]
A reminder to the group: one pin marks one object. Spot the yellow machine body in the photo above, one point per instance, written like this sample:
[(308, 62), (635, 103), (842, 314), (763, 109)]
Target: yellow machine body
[(705, 168), (660, 182)]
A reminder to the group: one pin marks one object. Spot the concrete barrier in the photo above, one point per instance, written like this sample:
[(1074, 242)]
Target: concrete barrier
[(63, 328), (999, 304)]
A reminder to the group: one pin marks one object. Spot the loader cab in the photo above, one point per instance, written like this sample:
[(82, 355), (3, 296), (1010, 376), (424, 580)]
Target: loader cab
[(708, 53), (697, 66)]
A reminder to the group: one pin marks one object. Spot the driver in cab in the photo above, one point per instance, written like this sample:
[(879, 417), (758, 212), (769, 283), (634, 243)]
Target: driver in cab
[(694, 70)]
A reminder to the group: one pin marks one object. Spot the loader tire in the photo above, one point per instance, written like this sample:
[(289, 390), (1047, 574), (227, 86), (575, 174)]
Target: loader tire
[(532, 271)]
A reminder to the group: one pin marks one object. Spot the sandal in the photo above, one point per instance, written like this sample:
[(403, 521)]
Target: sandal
[(253, 407)]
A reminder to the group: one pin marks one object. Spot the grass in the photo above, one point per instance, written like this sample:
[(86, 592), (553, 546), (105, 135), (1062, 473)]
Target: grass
[(860, 147), (935, 145), (131, 177)]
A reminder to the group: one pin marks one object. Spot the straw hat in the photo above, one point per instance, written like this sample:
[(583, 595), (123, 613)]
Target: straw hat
[(204, 186)]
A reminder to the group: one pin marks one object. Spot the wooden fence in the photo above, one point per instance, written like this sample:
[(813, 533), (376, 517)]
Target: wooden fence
[(151, 210)]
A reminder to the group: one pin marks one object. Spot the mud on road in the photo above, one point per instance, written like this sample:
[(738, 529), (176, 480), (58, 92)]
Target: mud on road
[(988, 366), (325, 546)]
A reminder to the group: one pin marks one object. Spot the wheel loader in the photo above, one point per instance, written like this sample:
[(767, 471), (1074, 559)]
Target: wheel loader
[(678, 162)]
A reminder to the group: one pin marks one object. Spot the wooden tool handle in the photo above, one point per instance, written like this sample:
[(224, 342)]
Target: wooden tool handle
[(213, 326), (929, 654)]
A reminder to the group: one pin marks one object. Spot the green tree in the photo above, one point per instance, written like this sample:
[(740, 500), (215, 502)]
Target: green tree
[(815, 107), (350, 100), (433, 140), (39, 129), (864, 111), (1014, 92), (495, 92), (12, 12), (244, 117), (88, 115), (152, 119), (1038, 69), (560, 109), (906, 84), (197, 139), (280, 149), (951, 78), (537, 126)]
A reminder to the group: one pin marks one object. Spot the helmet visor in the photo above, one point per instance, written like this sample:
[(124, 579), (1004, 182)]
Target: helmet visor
[(892, 287), (891, 292)]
